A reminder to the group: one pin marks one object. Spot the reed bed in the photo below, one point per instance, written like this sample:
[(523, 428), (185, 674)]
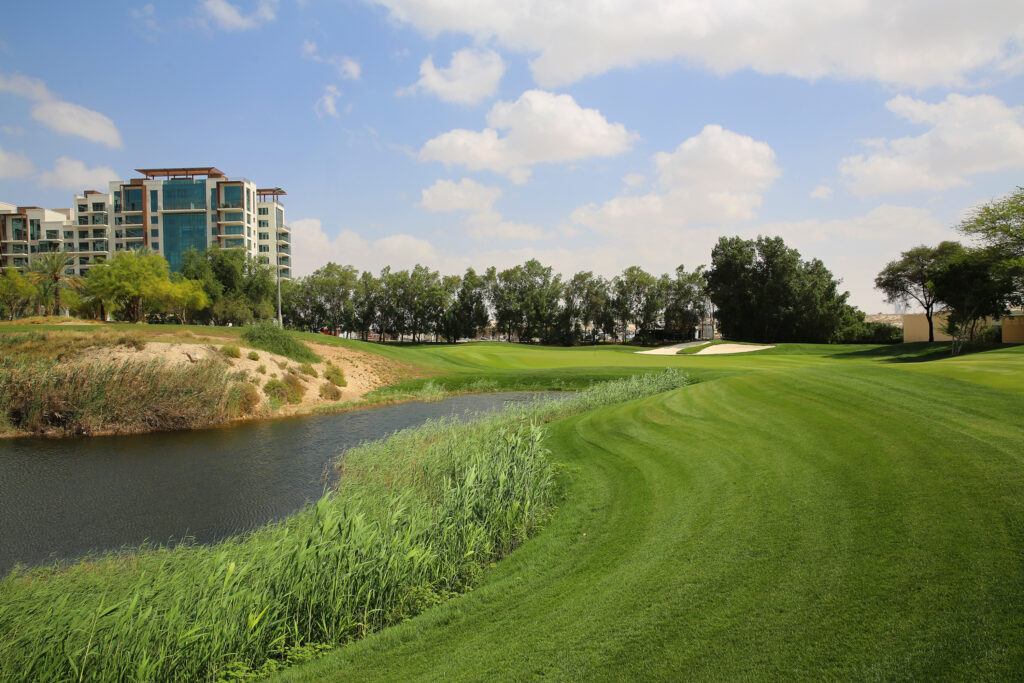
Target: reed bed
[(48, 397), (417, 518)]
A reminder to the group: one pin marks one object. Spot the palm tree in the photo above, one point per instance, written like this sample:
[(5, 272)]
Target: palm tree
[(49, 268)]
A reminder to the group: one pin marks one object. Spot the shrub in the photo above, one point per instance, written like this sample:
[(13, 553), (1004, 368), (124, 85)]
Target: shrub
[(334, 375), (231, 351), (246, 398), (283, 364), (329, 392), (296, 388), (273, 339), (287, 390), (262, 369), (307, 369), (252, 355)]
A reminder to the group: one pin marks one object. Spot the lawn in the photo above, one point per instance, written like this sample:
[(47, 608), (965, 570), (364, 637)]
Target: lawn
[(810, 512)]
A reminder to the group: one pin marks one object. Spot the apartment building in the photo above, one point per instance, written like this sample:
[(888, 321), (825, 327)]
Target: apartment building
[(168, 210)]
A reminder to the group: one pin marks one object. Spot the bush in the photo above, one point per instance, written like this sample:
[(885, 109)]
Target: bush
[(334, 375), (290, 389), (231, 351), (329, 392), (252, 355), (246, 398), (262, 369), (307, 369), (273, 339)]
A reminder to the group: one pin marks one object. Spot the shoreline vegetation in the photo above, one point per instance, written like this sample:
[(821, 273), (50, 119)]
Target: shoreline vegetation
[(416, 519)]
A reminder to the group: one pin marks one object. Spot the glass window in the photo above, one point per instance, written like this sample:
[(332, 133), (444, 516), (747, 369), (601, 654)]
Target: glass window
[(118, 220), (263, 224), (263, 236), (232, 229), (99, 206), (232, 195), (264, 211), (280, 216), (154, 233), (155, 246), (154, 205), (156, 220), (69, 234), (183, 231), (82, 234), (233, 216), (264, 248), (184, 195), (82, 208), (84, 220), (133, 220), (133, 199), (117, 200)]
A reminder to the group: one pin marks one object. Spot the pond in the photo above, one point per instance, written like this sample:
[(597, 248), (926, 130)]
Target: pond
[(64, 498)]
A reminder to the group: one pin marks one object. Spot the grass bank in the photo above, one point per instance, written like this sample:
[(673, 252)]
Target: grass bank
[(416, 520), (826, 514)]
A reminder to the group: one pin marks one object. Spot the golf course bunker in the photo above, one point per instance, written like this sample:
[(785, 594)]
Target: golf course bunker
[(731, 348)]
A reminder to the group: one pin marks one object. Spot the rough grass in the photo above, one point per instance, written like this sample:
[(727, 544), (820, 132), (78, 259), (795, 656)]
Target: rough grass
[(417, 519), (231, 351), (335, 375), (273, 339), (252, 355), (329, 392), (64, 345), (307, 369), (88, 398)]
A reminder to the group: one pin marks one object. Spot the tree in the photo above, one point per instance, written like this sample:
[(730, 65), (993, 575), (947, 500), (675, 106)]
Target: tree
[(128, 280), (365, 301), (179, 297), (685, 302), (974, 286), (910, 277), (764, 292), (1000, 225), (50, 268), (638, 300), (15, 293)]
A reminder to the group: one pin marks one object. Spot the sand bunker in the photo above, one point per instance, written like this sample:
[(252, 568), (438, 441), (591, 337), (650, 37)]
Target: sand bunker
[(730, 348)]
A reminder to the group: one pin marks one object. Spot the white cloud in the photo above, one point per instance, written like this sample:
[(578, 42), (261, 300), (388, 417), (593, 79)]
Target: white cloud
[(633, 179), (472, 76), (347, 67), (72, 174), (968, 135), (230, 18), (312, 247), (63, 117), (465, 195), (484, 222), (916, 43), (73, 119), (821, 192), (541, 127), (14, 130), (715, 176), (328, 102), (14, 164), (145, 18)]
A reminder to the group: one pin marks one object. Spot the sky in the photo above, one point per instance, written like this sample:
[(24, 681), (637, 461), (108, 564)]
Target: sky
[(590, 135)]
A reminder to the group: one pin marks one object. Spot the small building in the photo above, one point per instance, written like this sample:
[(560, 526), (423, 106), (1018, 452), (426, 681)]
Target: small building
[(915, 327)]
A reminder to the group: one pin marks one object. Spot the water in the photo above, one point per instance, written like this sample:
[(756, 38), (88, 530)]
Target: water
[(64, 498)]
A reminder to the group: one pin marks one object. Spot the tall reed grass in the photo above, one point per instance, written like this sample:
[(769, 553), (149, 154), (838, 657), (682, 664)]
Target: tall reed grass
[(416, 519), (130, 396)]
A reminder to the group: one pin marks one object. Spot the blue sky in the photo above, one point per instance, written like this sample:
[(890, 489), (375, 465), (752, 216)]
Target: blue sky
[(589, 135)]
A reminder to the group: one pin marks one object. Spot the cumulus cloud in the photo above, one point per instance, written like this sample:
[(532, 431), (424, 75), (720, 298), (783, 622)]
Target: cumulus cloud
[(540, 127), (312, 247), (347, 67), (72, 174), (915, 43), (968, 135), (484, 222), (472, 76), (465, 195), (14, 164), (328, 102), (230, 18), (145, 20), (63, 117), (715, 176)]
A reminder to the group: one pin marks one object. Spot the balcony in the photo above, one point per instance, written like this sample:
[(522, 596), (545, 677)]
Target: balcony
[(99, 219), (99, 233), (283, 238), (133, 233)]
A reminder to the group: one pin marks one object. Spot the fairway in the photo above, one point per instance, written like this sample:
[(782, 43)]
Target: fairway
[(803, 512)]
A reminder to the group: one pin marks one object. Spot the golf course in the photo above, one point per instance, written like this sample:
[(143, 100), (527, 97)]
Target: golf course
[(804, 512), (799, 512)]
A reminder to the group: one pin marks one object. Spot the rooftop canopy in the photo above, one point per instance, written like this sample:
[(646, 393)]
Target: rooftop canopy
[(189, 172), (275, 192)]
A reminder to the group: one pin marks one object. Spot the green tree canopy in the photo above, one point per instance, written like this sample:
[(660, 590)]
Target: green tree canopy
[(910, 278)]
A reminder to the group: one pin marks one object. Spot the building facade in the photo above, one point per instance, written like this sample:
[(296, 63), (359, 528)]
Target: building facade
[(168, 210)]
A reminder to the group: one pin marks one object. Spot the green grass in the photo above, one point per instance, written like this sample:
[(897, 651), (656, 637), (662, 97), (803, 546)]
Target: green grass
[(269, 337), (820, 517)]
